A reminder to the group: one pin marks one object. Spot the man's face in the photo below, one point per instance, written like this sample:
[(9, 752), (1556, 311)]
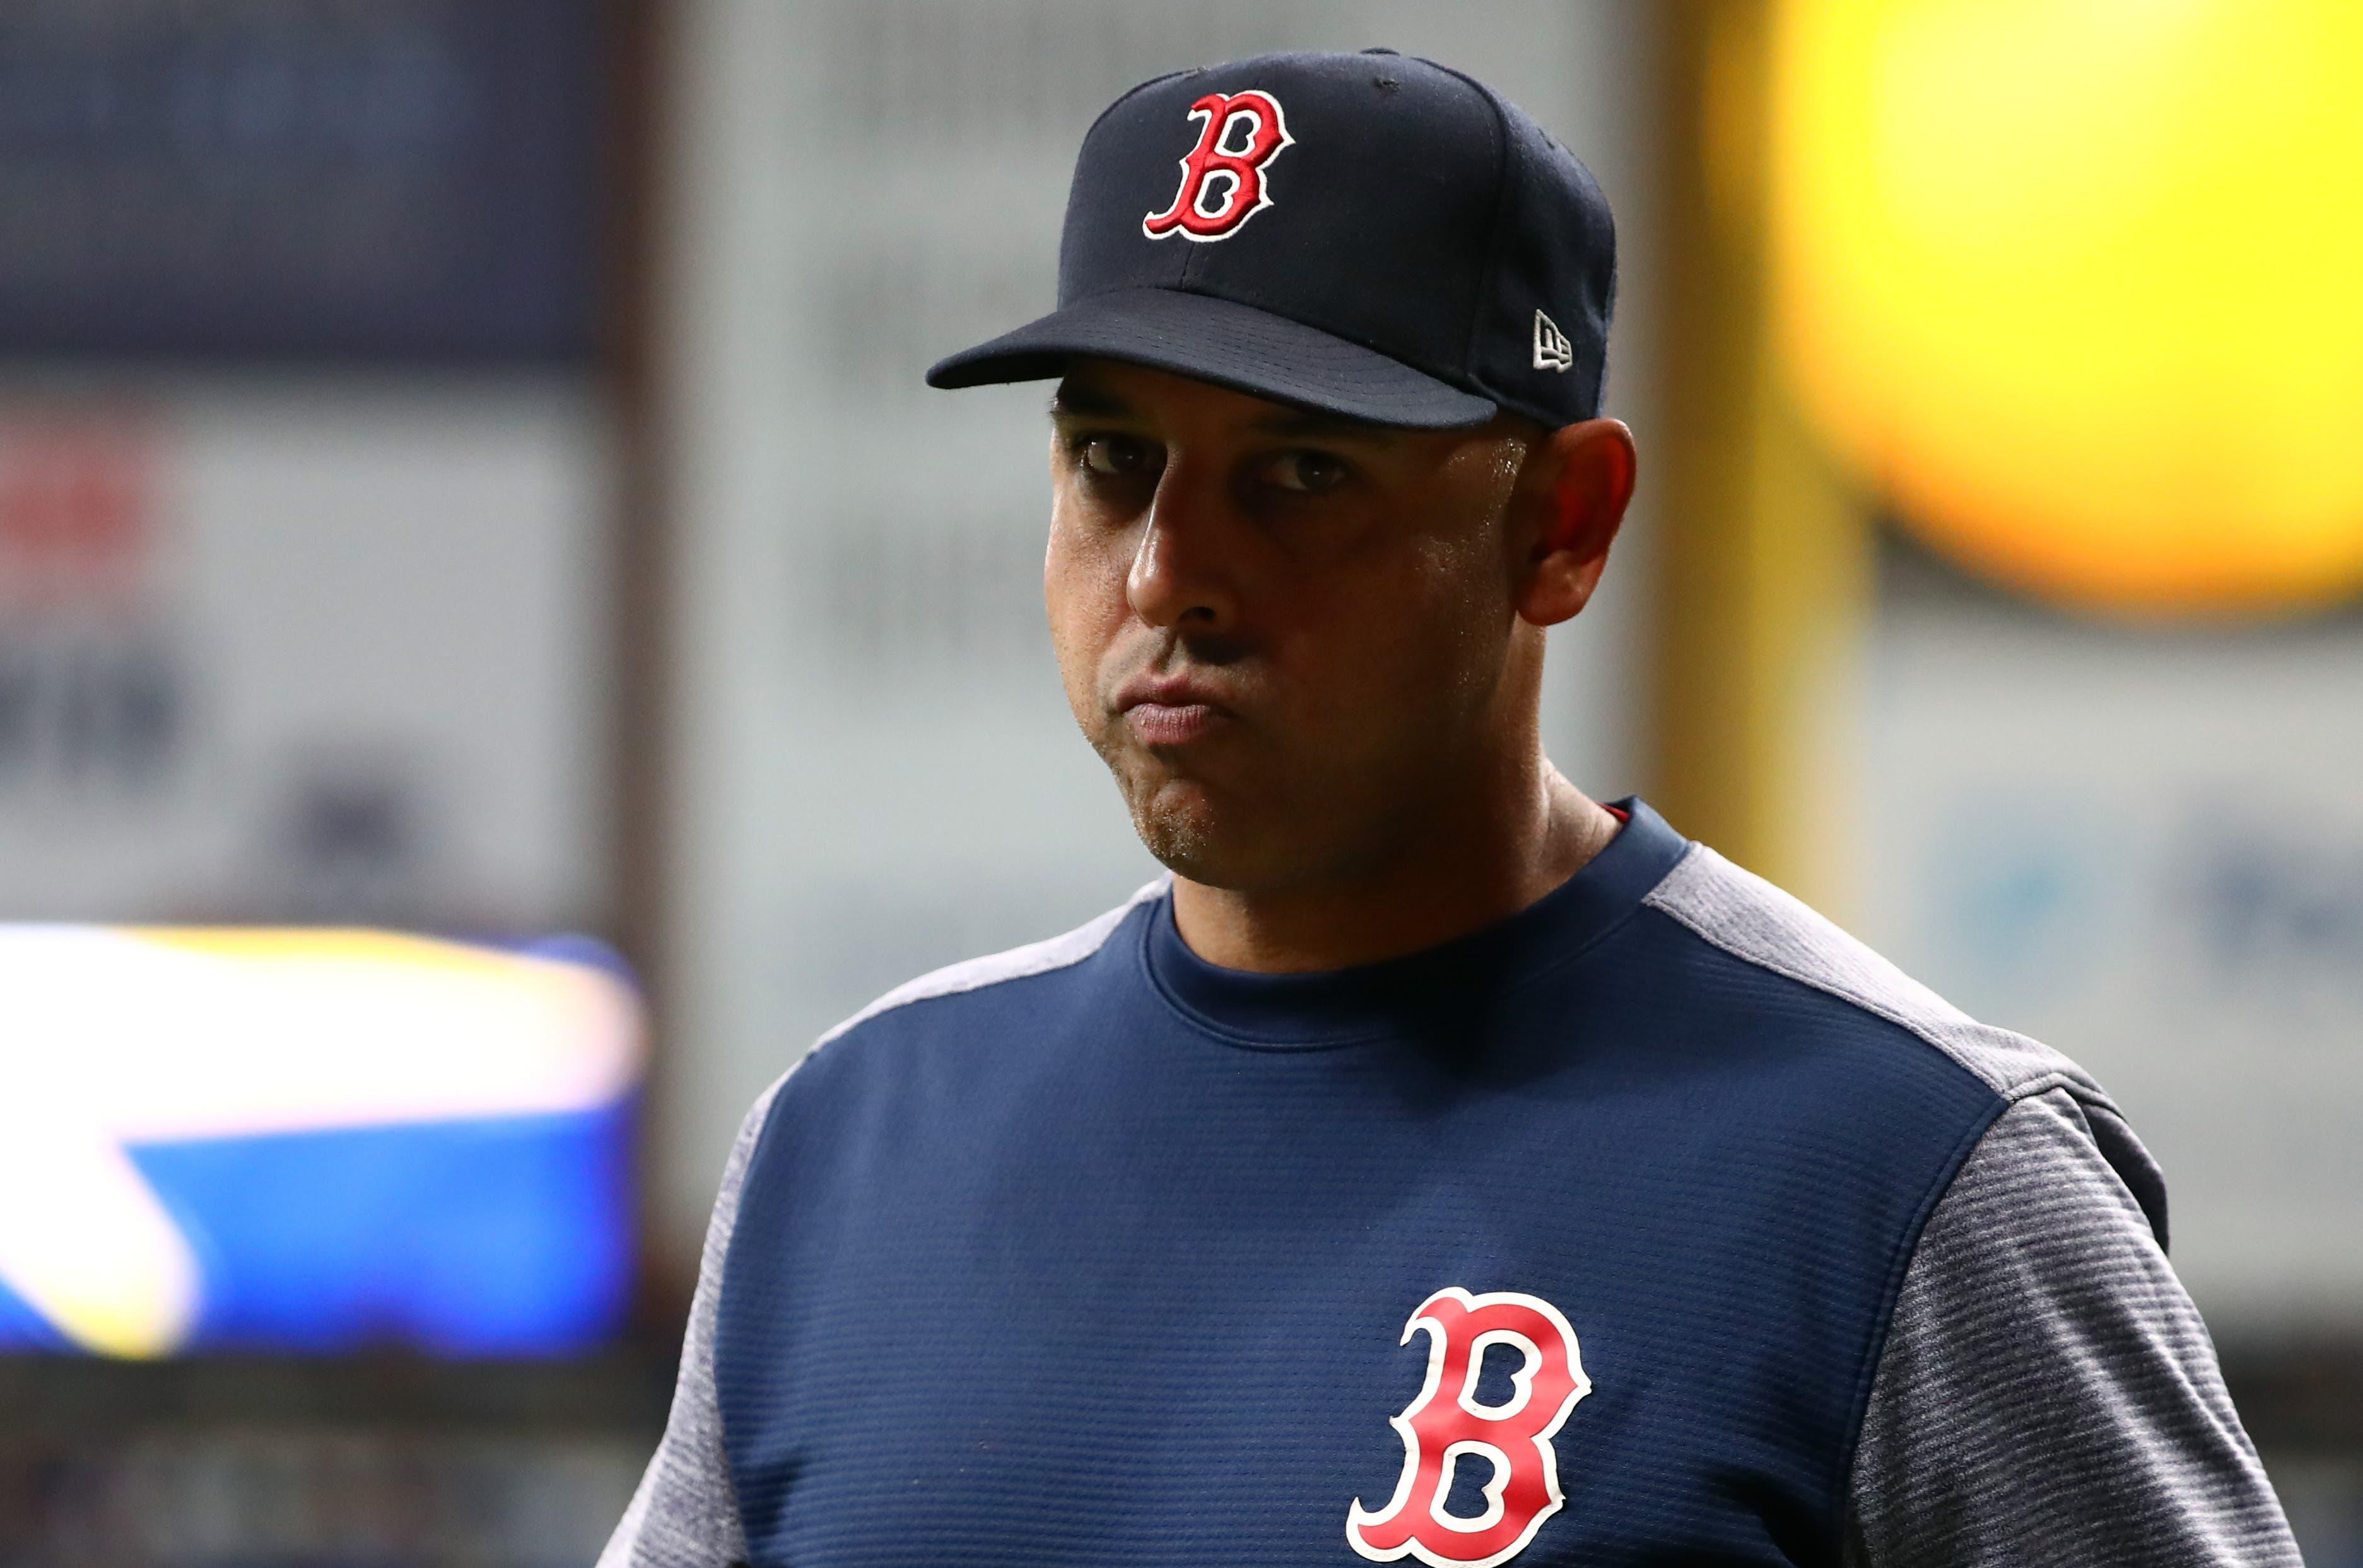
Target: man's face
[(1284, 633)]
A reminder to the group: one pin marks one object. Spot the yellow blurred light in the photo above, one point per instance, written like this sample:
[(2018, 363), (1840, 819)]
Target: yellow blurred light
[(2080, 283)]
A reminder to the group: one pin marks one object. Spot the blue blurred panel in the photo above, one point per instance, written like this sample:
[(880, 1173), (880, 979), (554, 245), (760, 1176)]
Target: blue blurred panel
[(300, 178), (501, 1236), (21, 1328), (313, 1140)]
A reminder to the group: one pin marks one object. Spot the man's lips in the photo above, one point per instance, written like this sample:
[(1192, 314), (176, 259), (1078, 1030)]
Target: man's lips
[(1173, 724), (1171, 711)]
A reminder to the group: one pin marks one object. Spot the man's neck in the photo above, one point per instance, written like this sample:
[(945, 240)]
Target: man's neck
[(1444, 886)]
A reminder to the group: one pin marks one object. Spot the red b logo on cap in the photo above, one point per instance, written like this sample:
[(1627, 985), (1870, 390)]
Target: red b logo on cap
[(1445, 1427), (1222, 182)]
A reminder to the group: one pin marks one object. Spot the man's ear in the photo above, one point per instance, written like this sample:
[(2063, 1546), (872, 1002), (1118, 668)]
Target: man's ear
[(1576, 484)]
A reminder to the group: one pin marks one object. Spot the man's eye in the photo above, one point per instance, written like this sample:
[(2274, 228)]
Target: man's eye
[(1116, 457), (1307, 473)]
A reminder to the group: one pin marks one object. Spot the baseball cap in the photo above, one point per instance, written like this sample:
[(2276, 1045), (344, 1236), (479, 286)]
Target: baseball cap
[(1368, 235)]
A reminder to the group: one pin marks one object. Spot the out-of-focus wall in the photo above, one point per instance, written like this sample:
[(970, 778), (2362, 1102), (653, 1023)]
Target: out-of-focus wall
[(875, 772), (305, 480), (2146, 847), (282, 647)]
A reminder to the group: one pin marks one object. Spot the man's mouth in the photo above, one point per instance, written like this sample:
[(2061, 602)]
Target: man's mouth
[(1165, 711), (1173, 724)]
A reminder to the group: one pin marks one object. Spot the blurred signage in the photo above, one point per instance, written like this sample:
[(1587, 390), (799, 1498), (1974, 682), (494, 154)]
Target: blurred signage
[(407, 179), (303, 651), (310, 1139), (2147, 851), (90, 686)]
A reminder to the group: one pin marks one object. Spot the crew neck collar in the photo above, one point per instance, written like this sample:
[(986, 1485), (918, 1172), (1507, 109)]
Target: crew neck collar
[(1373, 1001)]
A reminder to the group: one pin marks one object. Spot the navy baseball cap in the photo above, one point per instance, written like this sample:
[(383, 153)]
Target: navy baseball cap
[(1368, 235)]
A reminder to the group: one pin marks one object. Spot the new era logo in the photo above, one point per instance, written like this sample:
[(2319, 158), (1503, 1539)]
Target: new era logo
[(1552, 350)]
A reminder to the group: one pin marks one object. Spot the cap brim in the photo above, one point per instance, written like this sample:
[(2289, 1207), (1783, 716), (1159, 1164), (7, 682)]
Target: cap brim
[(1222, 341)]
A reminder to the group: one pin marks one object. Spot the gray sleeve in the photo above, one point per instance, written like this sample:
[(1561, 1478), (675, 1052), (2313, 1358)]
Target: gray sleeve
[(685, 1513), (2047, 1394)]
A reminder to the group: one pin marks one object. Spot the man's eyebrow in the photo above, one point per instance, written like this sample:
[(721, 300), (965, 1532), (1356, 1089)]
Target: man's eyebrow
[(1309, 423), (1080, 400), (1089, 401)]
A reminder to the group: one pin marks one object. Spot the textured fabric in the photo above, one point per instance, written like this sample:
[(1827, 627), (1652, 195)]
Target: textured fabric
[(684, 1513), (1753, 920), (2048, 1394), (1113, 1263)]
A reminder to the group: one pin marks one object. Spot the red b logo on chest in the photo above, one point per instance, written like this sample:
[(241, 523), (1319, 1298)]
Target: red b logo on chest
[(1222, 180), (1445, 1425)]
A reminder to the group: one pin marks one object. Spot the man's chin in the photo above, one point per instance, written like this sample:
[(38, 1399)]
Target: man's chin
[(1183, 825), (1196, 835), (1180, 833)]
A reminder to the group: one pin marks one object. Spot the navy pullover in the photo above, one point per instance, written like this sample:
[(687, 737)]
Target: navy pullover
[(1579, 1240)]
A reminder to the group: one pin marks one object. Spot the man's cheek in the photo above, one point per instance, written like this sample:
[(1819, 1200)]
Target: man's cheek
[(1344, 663), (1079, 658)]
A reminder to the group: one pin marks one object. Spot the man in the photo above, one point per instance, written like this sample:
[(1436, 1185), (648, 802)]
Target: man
[(1439, 1165)]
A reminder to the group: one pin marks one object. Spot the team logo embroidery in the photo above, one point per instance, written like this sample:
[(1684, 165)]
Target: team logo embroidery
[(1445, 1425), (1223, 182), (1552, 350)]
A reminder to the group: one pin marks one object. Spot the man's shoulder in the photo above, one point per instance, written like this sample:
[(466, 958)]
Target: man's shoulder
[(978, 977), (1751, 922), (1787, 944), (911, 1011)]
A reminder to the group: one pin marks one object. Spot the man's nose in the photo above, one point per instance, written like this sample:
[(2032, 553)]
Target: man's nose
[(1183, 573)]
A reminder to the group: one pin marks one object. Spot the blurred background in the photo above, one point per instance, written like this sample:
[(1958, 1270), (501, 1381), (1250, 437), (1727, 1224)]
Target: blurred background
[(498, 649)]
